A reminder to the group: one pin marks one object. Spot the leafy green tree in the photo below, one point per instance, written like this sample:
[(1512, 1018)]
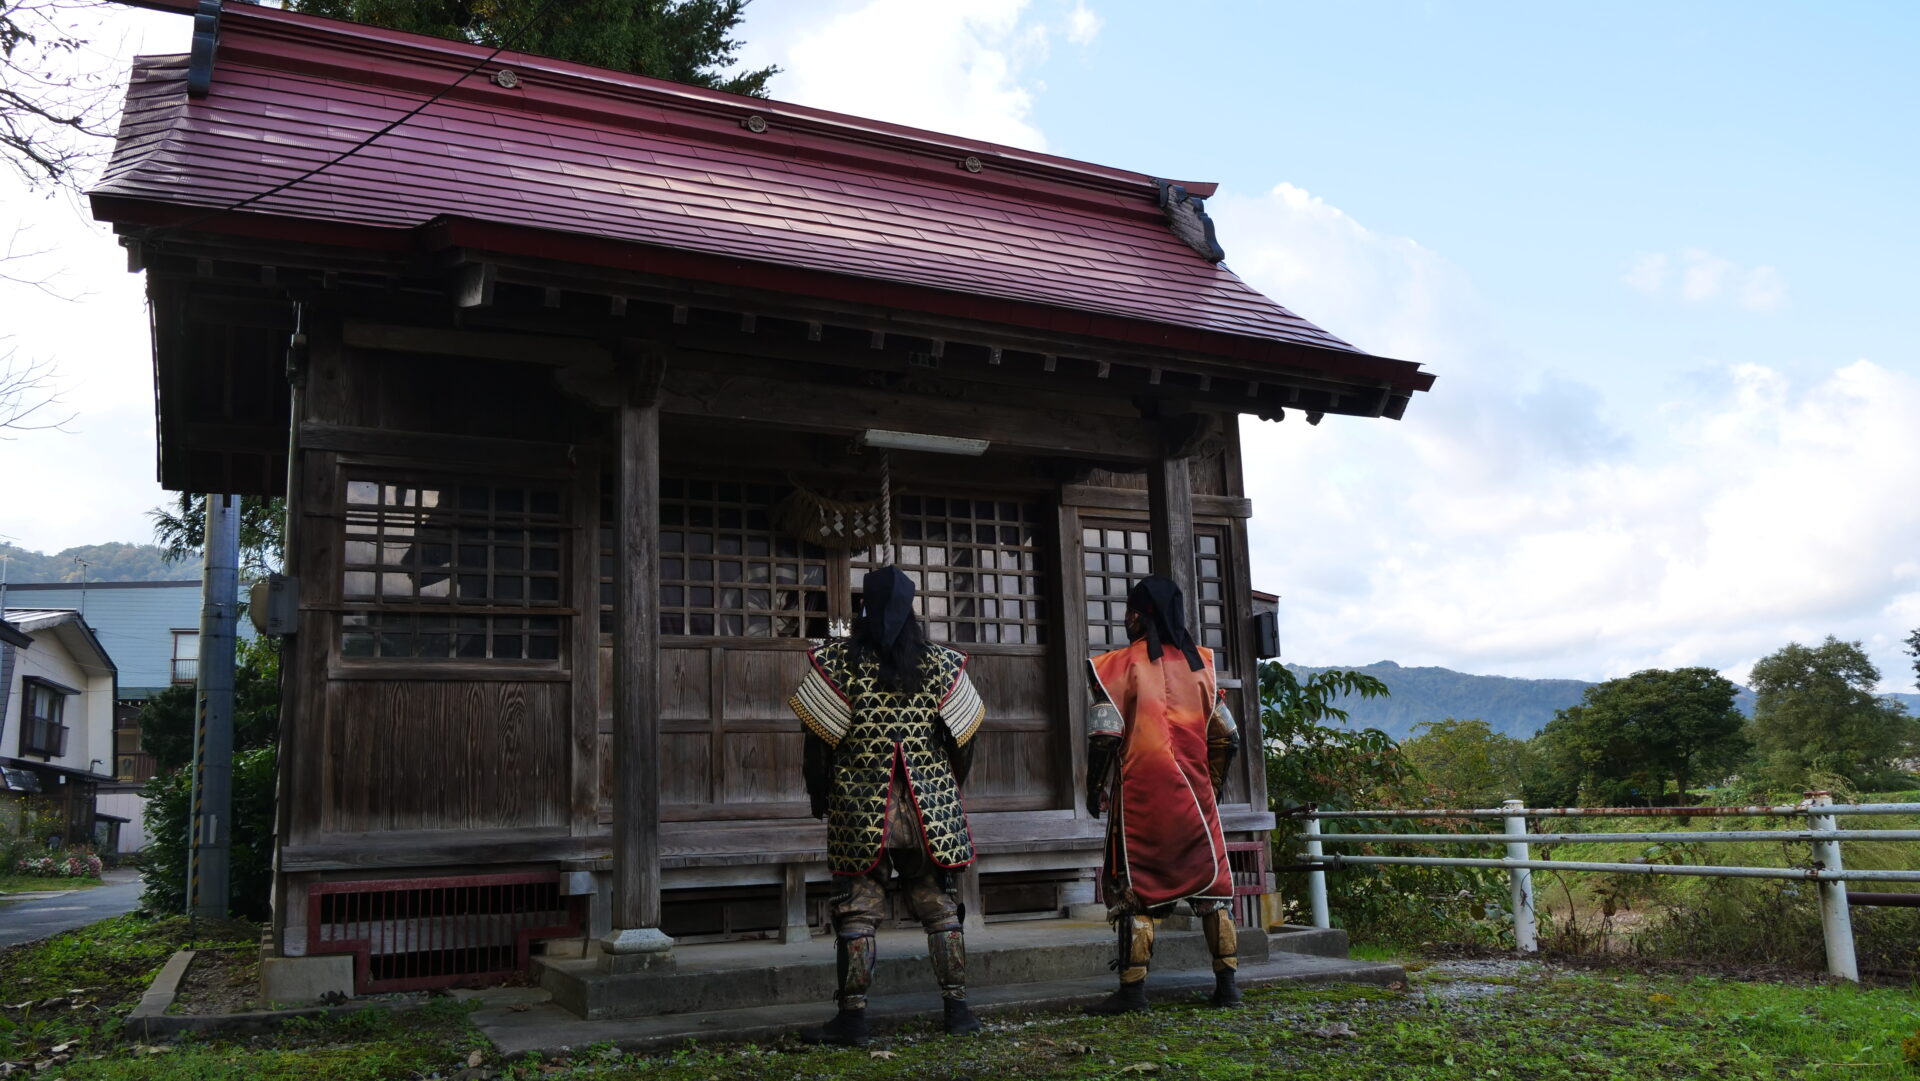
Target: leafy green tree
[(1629, 736), (1310, 759), (167, 719), (182, 531), (1913, 650), (1476, 765), (1816, 711), (163, 863), (685, 41), (166, 732)]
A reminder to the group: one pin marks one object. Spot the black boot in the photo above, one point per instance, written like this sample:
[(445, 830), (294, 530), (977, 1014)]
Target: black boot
[(847, 1029), (1225, 991), (959, 1019), (1131, 998)]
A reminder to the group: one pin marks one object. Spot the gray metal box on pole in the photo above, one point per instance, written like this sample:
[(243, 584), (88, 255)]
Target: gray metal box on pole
[(211, 823)]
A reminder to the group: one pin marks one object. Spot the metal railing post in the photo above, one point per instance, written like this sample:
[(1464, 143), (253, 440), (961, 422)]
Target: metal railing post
[(1836, 921), (1526, 937), (1316, 880)]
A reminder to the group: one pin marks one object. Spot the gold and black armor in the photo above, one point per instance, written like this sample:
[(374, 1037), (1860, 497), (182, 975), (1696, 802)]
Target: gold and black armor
[(927, 734)]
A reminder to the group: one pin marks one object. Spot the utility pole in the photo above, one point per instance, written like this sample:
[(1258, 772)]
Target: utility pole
[(211, 825)]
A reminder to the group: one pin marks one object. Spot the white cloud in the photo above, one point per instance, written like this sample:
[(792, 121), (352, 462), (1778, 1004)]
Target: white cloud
[(1703, 276), (1083, 25), (1649, 273), (959, 66), (1763, 290), (1509, 524)]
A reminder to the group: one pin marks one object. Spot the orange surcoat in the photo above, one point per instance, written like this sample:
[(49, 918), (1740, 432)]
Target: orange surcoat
[(1164, 842)]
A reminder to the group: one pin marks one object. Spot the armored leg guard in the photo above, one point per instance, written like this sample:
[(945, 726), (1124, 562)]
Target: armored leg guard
[(948, 949), (854, 957), (1136, 950), (1224, 943)]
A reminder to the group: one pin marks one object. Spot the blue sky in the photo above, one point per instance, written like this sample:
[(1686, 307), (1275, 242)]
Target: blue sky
[(1661, 257)]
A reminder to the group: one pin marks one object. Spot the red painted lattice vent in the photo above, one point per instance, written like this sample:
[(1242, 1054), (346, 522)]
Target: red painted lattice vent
[(413, 934), (1247, 860)]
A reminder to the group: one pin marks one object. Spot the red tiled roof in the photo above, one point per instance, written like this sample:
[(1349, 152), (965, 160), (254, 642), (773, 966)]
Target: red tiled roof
[(609, 157)]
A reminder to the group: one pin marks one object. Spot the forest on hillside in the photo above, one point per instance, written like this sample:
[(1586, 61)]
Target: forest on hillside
[(1510, 706), (111, 562)]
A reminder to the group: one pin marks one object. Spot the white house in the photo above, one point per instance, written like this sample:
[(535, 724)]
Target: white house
[(56, 718)]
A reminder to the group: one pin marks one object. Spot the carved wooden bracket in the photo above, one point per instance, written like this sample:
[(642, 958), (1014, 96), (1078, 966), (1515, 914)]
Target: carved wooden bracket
[(1187, 217)]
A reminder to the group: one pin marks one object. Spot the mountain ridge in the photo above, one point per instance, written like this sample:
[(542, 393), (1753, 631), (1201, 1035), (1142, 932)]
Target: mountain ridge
[(1511, 705)]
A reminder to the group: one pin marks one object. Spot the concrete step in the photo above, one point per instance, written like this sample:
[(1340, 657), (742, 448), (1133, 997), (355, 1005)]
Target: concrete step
[(551, 1029), (1314, 941), (735, 975)]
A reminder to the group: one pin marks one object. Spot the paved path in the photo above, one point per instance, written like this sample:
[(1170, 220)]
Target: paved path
[(25, 921)]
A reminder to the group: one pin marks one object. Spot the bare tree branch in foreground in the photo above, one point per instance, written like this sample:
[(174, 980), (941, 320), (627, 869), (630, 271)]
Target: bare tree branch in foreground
[(55, 113)]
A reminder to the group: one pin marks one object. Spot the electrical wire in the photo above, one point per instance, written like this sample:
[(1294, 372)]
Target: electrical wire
[(356, 148)]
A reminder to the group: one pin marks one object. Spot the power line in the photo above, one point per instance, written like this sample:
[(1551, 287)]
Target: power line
[(356, 148)]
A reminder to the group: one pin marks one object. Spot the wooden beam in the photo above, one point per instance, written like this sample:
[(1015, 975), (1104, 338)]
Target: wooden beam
[(692, 392), (1170, 517), (1095, 497), (553, 351), (636, 697), (473, 285), (469, 449), (584, 651)]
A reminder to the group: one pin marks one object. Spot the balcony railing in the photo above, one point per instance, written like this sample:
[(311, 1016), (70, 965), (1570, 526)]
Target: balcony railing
[(186, 669)]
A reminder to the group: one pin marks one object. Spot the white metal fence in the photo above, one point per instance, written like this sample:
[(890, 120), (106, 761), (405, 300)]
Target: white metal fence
[(1826, 869)]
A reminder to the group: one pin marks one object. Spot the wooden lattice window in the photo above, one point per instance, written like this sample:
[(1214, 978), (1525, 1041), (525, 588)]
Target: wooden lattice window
[(452, 570), (724, 571), (975, 566), (1116, 555), (1112, 559)]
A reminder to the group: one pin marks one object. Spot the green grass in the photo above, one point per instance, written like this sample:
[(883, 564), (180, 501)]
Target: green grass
[(370, 1045), (37, 883), (77, 987), (1451, 1023), (1547, 1025)]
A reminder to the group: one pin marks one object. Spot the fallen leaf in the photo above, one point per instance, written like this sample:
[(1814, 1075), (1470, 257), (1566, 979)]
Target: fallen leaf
[(475, 1058), (1397, 986), (1339, 1030), (883, 1054), (1140, 1067), (520, 1007), (61, 1048)]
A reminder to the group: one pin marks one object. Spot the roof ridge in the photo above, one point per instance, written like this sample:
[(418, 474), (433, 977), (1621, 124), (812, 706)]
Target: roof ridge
[(455, 57)]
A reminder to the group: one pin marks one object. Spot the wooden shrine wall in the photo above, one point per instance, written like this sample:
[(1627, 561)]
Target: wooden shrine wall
[(438, 579), (501, 728)]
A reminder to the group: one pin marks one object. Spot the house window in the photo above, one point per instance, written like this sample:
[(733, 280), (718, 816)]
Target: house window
[(975, 566), (1115, 555), (42, 731), (186, 656), (453, 570)]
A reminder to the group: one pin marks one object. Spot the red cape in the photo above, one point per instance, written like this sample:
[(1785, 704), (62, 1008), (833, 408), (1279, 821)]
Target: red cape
[(1164, 842)]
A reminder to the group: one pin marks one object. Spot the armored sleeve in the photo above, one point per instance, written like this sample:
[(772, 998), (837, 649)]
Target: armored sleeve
[(821, 705), (817, 768), (962, 710), (1106, 725), (1223, 741)]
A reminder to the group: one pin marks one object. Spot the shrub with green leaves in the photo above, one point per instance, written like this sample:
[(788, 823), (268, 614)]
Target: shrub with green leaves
[(1312, 761)]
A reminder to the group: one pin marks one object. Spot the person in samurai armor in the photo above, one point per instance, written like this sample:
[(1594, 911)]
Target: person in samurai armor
[(890, 719), (1160, 741)]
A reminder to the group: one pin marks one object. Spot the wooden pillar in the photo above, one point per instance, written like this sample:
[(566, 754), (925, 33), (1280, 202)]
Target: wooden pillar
[(1170, 507), (636, 940)]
